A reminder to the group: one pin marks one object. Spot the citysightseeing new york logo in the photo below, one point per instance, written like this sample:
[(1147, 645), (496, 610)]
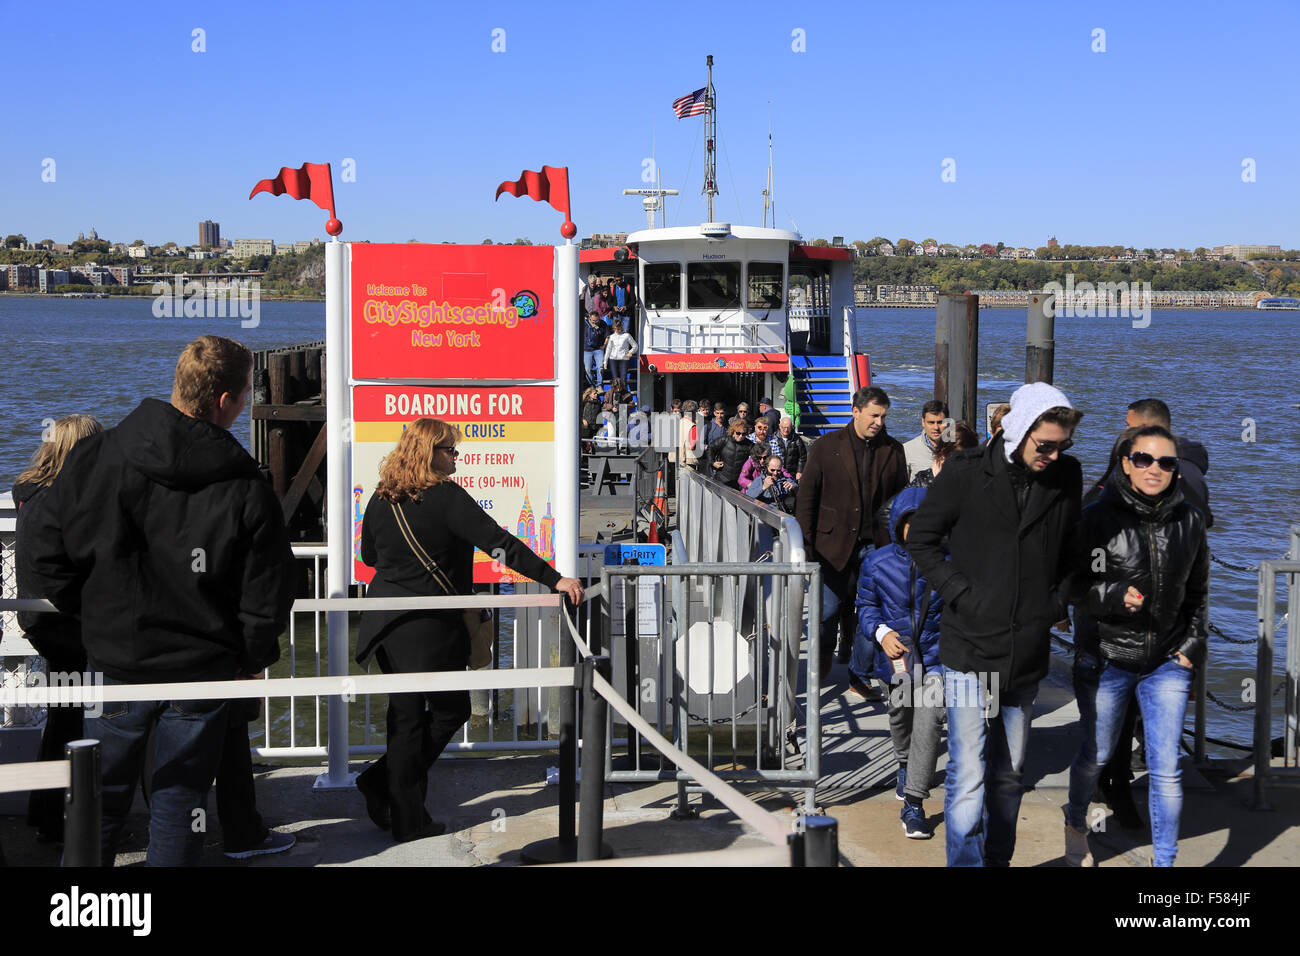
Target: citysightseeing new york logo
[(1087, 300)]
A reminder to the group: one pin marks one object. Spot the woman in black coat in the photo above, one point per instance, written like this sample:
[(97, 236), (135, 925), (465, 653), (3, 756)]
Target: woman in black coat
[(1142, 591), (728, 455), (56, 637), (447, 525)]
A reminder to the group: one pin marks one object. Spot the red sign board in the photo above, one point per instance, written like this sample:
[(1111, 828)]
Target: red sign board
[(506, 461), (448, 312), (718, 362)]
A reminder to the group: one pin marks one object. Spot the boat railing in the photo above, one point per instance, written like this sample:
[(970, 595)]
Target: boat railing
[(689, 335)]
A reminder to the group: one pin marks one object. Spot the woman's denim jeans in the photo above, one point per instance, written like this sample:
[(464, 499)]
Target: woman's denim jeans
[(1103, 692)]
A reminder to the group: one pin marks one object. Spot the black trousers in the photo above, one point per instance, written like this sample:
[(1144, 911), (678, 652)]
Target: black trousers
[(419, 725), (241, 824), (45, 807)]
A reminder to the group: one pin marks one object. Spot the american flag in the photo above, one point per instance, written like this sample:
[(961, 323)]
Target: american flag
[(692, 104)]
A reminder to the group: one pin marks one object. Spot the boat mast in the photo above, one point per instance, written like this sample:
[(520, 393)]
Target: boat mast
[(767, 191), (710, 135)]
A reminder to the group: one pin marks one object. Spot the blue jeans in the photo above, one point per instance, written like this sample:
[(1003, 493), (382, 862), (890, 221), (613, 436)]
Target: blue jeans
[(986, 759), (839, 592), (187, 752), (592, 360), (1103, 691)]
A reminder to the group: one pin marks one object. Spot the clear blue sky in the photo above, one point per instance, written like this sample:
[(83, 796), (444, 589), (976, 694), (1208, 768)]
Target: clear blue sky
[(1142, 144)]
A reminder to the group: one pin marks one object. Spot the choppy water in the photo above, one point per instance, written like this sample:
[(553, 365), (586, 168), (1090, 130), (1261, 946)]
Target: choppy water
[(1216, 370)]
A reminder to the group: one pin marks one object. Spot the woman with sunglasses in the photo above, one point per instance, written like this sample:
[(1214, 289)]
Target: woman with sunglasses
[(419, 534), (1142, 591)]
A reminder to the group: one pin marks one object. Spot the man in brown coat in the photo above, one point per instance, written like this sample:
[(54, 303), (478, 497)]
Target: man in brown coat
[(849, 475)]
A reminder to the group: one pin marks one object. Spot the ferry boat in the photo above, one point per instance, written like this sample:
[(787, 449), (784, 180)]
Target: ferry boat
[(1278, 303), (734, 312)]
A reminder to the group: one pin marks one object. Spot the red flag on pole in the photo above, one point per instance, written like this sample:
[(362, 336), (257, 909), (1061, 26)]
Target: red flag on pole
[(551, 185), (310, 181)]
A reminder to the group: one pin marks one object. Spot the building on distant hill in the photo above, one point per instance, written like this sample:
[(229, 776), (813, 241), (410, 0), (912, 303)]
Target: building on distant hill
[(254, 247), (1242, 252), (210, 234), (1052, 243)]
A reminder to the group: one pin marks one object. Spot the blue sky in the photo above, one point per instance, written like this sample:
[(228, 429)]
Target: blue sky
[(1141, 144)]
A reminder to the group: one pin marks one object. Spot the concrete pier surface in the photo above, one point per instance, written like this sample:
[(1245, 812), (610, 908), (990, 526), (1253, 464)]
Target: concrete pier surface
[(495, 806)]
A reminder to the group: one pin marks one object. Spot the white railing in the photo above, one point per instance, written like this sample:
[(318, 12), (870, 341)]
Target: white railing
[(690, 335)]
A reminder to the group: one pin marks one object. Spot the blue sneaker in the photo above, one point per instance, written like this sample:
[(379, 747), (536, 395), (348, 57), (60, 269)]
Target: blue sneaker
[(902, 782), (914, 825), (274, 842)]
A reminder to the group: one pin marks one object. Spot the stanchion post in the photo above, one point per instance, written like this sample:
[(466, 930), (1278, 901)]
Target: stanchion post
[(82, 810), (595, 719), (821, 841), (568, 750)]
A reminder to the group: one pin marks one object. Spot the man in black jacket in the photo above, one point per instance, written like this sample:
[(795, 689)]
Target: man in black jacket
[(1008, 513), (850, 473), (170, 546)]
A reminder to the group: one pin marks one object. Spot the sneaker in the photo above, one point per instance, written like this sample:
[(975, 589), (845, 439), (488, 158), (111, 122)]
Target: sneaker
[(275, 842), (902, 782), (1076, 847), (867, 691), (914, 825)]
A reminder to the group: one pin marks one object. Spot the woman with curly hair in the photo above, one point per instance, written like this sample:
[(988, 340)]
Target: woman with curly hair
[(419, 534)]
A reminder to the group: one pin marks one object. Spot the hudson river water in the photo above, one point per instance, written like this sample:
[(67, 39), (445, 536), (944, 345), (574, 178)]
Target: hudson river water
[(1223, 374)]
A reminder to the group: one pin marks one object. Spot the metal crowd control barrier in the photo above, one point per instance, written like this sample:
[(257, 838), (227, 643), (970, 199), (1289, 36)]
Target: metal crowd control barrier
[(1268, 572), (80, 776), (720, 524), (716, 660)]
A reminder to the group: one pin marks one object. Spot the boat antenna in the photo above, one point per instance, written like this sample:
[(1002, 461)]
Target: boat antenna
[(768, 203), (653, 195), (710, 136)]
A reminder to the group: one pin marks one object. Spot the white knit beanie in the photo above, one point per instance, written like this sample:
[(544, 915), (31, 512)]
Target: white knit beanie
[(1027, 403)]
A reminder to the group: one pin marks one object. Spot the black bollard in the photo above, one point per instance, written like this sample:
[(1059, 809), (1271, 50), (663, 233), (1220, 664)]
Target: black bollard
[(821, 841), (82, 811), (595, 718)]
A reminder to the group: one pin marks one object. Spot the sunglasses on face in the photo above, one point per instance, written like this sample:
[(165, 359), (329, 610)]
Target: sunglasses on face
[(450, 449), (1142, 460), (1047, 447)]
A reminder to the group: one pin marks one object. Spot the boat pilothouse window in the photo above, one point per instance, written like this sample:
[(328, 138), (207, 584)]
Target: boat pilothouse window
[(663, 285), (765, 287), (713, 285)]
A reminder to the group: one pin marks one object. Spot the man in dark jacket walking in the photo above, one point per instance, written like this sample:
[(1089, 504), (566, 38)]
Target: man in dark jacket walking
[(850, 473), (162, 536), (1009, 513)]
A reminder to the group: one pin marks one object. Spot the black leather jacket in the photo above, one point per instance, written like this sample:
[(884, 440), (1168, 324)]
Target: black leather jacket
[(1158, 546)]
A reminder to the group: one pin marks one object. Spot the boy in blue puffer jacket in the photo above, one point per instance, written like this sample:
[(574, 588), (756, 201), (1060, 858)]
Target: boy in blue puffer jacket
[(897, 609)]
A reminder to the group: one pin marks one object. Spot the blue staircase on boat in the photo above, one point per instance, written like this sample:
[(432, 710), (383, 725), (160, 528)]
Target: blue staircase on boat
[(824, 393)]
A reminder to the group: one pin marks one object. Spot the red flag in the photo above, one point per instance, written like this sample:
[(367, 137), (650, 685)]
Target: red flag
[(310, 181), (551, 185)]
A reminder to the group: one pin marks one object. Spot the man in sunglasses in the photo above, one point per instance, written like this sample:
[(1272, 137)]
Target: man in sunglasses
[(1007, 513)]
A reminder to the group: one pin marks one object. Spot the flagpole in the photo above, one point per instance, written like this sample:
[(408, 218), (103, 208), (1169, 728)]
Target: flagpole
[(710, 134)]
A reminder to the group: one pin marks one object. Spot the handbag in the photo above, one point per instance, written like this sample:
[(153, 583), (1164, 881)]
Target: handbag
[(478, 623)]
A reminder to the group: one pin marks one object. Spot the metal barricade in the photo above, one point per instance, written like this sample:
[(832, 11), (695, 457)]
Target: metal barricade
[(522, 719), (1267, 613), (717, 650)]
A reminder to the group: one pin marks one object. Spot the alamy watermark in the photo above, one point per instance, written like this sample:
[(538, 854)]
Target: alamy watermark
[(241, 299), (58, 689), (1088, 300)]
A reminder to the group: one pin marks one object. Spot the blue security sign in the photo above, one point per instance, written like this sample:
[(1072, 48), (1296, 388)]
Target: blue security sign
[(655, 555)]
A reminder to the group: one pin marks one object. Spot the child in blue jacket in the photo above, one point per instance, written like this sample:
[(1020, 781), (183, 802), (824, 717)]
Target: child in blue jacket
[(897, 609)]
